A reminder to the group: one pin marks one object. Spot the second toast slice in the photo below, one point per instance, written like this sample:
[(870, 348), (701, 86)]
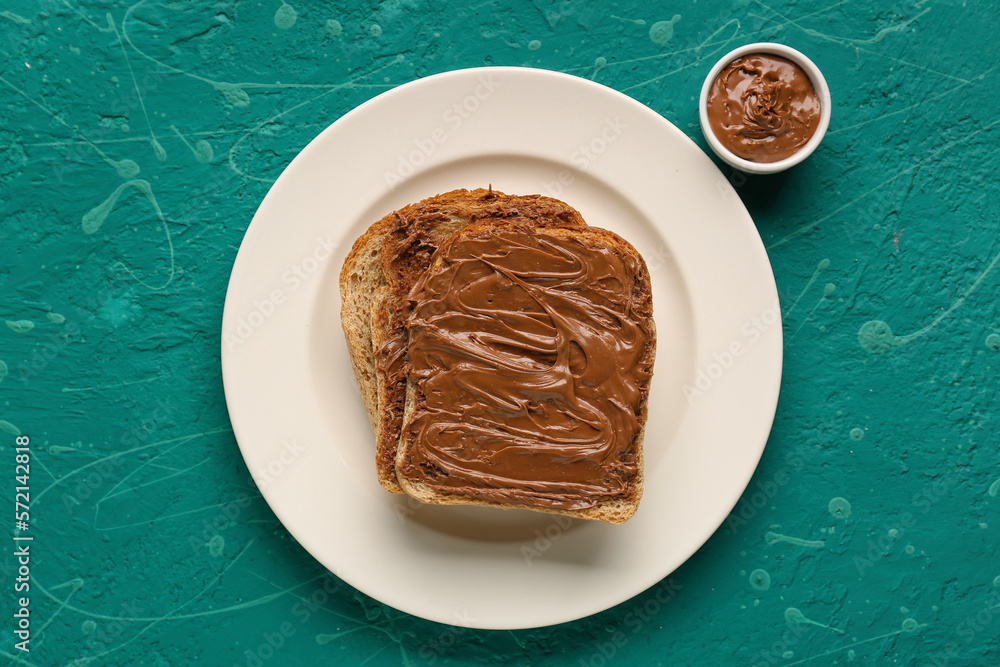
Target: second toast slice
[(378, 274)]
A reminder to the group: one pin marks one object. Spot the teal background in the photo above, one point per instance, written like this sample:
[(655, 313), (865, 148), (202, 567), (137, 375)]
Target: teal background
[(136, 141)]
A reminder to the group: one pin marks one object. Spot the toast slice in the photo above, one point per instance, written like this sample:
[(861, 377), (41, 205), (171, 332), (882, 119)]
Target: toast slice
[(378, 273), (530, 356)]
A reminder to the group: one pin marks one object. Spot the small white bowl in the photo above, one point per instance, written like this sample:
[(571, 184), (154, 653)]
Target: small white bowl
[(818, 82)]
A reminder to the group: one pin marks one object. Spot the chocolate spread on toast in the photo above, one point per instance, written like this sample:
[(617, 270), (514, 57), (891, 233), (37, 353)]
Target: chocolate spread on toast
[(532, 353)]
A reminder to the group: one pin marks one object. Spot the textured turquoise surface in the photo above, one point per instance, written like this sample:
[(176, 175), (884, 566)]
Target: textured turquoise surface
[(136, 142)]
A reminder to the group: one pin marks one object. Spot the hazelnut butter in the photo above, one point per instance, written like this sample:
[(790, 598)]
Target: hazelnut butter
[(532, 354), (763, 108)]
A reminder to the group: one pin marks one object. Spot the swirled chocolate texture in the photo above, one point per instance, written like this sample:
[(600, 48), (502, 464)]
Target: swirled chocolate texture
[(763, 108), (530, 357)]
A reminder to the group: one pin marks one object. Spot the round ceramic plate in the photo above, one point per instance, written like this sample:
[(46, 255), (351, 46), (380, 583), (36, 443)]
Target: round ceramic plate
[(297, 412)]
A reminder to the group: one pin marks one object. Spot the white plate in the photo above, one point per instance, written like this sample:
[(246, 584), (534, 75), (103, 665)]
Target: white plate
[(297, 413)]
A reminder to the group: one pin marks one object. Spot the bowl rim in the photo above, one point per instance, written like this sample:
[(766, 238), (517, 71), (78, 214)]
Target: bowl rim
[(815, 77)]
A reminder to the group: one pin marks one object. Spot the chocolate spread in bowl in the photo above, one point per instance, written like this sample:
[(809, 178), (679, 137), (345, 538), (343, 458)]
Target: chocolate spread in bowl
[(763, 108)]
